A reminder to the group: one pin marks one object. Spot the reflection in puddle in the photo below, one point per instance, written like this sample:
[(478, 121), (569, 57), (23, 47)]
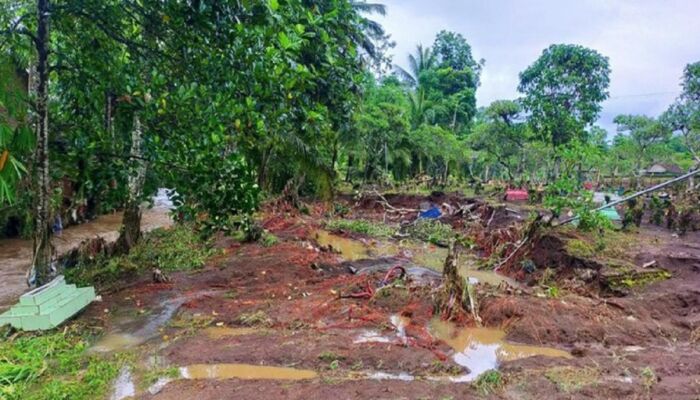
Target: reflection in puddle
[(381, 376), (124, 387), (371, 337), (482, 349), (244, 371), (219, 332), (399, 323), (137, 334)]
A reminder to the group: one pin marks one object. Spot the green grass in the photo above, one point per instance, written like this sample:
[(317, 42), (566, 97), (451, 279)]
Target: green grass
[(431, 231), (175, 249), (53, 366), (268, 240), (489, 382), (361, 226), (580, 248)]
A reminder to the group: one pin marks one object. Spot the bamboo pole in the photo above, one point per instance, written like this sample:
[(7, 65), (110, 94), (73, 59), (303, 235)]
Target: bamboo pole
[(640, 193)]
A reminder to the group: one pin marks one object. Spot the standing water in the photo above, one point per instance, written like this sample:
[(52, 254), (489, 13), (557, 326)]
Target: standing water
[(483, 349)]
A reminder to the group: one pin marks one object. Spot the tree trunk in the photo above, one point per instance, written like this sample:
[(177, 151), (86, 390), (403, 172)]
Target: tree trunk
[(41, 264), (131, 222), (334, 158), (262, 175), (457, 294), (348, 174)]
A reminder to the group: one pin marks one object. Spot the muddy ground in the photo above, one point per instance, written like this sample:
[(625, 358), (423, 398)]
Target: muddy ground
[(293, 306)]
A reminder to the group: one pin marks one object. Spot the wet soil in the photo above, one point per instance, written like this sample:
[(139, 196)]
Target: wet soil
[(304, 313)]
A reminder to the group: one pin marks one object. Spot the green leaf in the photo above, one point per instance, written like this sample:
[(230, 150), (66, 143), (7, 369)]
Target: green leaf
[(274, 4), (284, 40)]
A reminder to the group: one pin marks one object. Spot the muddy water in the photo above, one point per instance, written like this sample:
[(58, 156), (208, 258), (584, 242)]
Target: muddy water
[(351, 250), (129, 332), (220, 332), (482, 349), (399, 323), (422, 254), (16, 254), (244, 371)]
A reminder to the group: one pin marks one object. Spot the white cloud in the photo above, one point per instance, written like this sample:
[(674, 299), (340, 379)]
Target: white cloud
[(648, 41)]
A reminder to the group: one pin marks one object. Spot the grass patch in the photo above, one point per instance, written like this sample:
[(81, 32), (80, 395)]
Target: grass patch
[(489, 382), (329, 356), (54, 366), (361, 226), (153, 375), (633, 279), (175, 249), (569, 379), (580, 249), (268, 240), (258, 318), (431, 231)]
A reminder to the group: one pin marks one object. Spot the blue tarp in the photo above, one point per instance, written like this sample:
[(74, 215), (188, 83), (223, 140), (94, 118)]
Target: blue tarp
[(431, 213)]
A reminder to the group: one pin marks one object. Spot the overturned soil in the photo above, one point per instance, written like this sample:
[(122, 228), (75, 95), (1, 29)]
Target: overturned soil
[(307, 310)]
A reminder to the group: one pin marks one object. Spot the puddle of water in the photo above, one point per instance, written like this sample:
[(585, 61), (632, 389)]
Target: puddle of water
[(397, 321), (244, 371), (382, 376), (124, 386), (116, 341), (220, 332), (130, 332), (422, 254), (371, 337), (351, 250), (482, 349), (159, 385), (400, 323)]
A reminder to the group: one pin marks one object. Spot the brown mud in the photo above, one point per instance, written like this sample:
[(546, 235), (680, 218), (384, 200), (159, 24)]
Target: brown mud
[(304, 323)]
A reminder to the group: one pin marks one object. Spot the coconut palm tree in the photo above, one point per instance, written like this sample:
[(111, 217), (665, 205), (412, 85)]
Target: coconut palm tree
[(423, 59), (372, 31)]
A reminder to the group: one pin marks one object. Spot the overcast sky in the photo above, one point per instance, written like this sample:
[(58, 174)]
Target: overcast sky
[(648, 42)]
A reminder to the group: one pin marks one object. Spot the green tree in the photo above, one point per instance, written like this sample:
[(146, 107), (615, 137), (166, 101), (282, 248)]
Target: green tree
[(645, 134), (503, 136), (452, 50), (563, 90), (423, 60), (691, 82), (683, 116)]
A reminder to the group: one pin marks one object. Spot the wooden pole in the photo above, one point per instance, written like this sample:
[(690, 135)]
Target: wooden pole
[(640, 193)]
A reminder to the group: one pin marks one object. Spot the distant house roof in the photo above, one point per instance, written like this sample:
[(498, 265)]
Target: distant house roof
[(664, 168)]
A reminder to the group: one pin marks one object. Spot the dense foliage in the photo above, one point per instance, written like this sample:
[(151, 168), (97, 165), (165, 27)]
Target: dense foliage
[(103, 101)]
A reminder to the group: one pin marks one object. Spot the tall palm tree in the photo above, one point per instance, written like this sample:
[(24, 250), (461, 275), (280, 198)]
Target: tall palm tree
[(372, 31), (423, 59)]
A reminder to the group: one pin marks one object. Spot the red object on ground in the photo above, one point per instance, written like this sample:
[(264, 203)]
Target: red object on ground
[(588, 185), (516, 195)]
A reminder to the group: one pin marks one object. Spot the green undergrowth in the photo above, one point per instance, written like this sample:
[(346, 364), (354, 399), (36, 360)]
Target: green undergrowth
[(580, 248), (175, 249), (432, 231), (634, 279), (489, 382), (361, 226), (54, 366)]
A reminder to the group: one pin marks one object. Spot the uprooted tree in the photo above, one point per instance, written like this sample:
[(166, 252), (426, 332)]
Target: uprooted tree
[(456, 295)]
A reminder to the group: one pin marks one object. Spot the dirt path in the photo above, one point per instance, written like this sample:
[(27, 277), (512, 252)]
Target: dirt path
[(16, 254)]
